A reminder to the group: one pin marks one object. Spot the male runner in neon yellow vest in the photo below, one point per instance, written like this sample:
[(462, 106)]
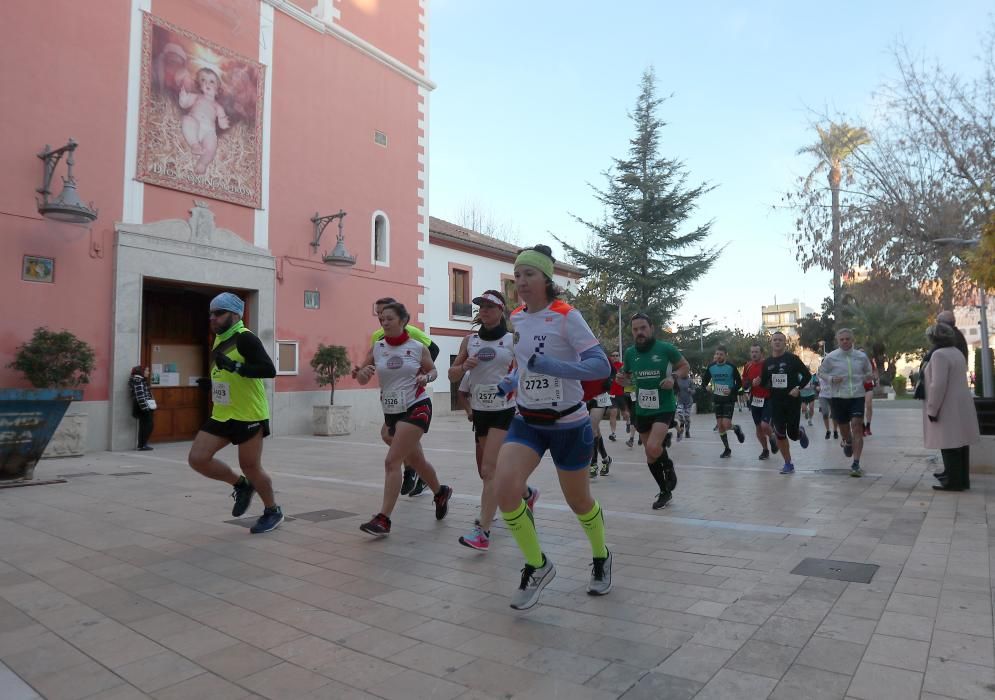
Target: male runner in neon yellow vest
[(240, 412)]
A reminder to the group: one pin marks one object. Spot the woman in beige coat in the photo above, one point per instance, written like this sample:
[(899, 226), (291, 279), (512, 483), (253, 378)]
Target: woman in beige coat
[(949, 420)]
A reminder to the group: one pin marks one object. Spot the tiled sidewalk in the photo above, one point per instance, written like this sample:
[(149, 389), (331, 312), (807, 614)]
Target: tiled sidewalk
[(126, 582)]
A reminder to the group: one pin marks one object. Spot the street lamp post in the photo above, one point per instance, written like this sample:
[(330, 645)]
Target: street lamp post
[(619, 303), (986, 367), (701, 341)]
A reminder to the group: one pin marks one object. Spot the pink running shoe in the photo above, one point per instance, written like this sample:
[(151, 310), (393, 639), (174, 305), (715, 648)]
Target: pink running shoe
[(477, 539), (530, 502)]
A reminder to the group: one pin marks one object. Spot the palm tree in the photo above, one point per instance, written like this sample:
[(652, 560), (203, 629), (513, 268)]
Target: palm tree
[(886, 330), (836, 143)]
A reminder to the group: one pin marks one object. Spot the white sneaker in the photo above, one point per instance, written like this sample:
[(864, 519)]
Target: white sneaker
[(601, 576), (533, 581)]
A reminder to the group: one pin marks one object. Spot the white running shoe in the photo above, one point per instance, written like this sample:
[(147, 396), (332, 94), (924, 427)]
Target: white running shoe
[(533, 581)]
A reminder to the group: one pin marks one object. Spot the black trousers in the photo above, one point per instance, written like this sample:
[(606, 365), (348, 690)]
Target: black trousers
[(144, 428), (956, 463)]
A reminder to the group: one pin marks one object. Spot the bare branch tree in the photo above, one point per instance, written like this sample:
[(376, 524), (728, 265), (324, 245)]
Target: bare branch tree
[(475, 217)]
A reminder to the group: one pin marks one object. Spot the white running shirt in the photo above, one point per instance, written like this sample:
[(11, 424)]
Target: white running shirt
[(558, 331), (495, 358), (397, 367)]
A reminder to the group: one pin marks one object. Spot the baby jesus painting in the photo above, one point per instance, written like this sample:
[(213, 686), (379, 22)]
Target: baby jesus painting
[(200, 127), (203, 114)]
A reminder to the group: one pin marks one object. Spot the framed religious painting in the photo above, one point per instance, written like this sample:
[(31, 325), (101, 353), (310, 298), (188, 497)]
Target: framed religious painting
[(200, 116), (35, 268)]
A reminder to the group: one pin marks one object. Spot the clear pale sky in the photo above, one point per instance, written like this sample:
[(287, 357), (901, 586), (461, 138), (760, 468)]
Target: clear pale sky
[(532, 104)]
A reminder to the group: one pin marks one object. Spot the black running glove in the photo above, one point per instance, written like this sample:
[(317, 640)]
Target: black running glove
[(226, 363)]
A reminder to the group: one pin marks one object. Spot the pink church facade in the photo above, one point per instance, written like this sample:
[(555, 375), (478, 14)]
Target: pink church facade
[(322, 107)]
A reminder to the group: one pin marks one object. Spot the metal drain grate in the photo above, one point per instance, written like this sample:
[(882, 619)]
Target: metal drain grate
[(320, 516), (836, 570), (251, 520)]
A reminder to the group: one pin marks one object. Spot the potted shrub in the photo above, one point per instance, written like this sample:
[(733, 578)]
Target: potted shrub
[(329, 363), (56, 364), (899, 384)]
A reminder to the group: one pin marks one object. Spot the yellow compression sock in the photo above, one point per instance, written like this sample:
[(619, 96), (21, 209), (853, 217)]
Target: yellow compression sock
[(523, 529), (594, 525)]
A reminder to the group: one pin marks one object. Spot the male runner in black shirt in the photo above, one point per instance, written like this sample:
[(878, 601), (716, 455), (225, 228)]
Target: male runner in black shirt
[(784, 373)]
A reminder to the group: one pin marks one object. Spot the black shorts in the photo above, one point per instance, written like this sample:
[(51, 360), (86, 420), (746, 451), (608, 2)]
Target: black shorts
[(785, 414), (619, 402), (645, 423), (724, 407), (762, 414), (236, 431), (418, 414), (483, 421), (630, 405), (845, 409)]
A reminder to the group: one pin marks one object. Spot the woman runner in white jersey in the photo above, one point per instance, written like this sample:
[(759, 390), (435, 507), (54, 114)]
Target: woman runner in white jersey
[(404, 366), (485, 358), (555, 350)]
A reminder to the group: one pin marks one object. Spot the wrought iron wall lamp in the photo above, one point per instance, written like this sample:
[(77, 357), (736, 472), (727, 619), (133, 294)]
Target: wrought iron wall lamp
[(339, 256), (67, 206)]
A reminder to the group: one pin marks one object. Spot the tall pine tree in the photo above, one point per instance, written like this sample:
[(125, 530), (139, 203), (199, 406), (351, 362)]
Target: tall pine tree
[(638, 247)]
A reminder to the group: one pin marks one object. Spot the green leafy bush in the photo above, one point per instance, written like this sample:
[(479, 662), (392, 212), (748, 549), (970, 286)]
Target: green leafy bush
[(899, 384), (54, 360), (329, 363)]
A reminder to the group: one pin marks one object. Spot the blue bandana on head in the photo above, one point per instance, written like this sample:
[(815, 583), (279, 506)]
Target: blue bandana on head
[(226, 301)]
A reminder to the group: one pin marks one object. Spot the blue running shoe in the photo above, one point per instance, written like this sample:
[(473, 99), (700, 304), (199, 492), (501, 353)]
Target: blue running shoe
[(269, 520), (788, 468), (803, 438)]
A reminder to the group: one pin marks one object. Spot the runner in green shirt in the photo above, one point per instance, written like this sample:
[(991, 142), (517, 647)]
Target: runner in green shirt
[(650, 366)]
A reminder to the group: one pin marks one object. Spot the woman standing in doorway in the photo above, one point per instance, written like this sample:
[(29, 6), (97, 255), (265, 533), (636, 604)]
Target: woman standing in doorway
[(555, 350), (404, 366), (484, 359), (144, 405)]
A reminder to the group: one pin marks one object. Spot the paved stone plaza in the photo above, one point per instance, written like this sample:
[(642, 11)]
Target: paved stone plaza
[(127, 581)]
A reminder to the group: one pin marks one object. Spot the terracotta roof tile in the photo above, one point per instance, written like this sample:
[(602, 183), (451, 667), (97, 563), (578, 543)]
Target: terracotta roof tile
[(453, 231)]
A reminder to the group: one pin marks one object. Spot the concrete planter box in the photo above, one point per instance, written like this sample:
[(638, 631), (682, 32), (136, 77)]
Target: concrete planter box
[(70, 437), (28, 420), (983, 455), (332, 420)]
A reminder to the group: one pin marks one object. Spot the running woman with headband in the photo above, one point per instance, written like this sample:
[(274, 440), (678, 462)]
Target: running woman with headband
[(555, 350), (404, 366), (485, 358)]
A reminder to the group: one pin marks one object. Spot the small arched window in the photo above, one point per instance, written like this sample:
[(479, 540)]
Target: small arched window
[(381, 239)]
